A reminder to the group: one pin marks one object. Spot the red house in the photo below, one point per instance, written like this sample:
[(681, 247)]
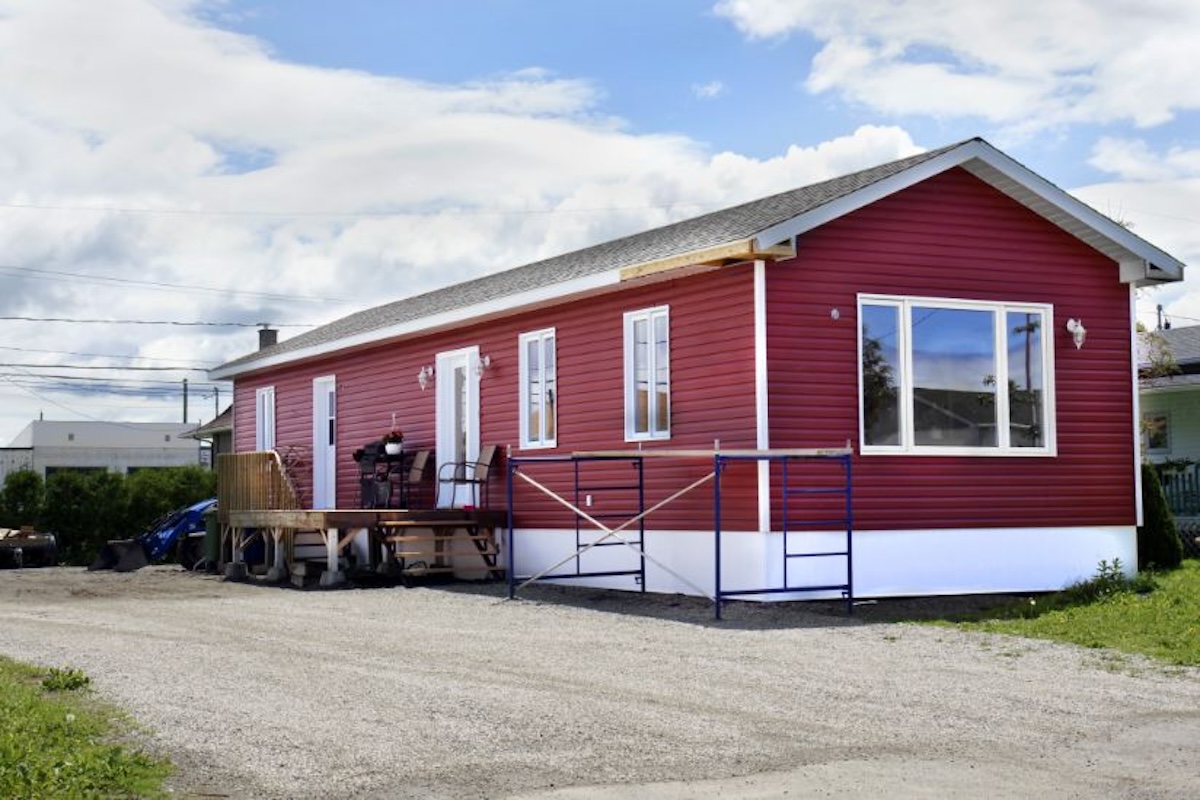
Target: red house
[(964, 326)]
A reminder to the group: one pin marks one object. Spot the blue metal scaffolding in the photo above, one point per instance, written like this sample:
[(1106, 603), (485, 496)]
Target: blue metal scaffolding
[(843, 521), (634, 518)]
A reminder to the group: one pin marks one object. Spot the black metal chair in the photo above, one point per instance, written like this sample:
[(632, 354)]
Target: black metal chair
[(472, 475)]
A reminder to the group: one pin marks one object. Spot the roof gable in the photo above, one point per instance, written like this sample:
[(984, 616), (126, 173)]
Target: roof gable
[(744, 232)]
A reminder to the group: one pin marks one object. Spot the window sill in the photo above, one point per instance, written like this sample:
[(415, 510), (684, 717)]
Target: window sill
[(975, 452)]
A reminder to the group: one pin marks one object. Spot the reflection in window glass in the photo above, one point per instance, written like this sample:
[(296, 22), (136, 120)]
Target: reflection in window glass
[(662, 376), (641, 376), (1157, 429), (1026, 383), (954, 377), (881, 374)]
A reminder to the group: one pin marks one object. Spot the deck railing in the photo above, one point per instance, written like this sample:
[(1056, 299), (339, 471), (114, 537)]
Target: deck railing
[(253, 481)]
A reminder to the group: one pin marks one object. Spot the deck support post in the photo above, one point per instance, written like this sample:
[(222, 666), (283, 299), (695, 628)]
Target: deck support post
[(278, 570), (332, 576)]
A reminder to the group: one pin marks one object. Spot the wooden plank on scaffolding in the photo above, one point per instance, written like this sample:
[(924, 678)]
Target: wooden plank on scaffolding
[(736, 453)]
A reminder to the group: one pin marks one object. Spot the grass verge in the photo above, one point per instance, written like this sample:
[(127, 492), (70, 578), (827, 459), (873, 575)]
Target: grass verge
[(56, 740), (1156, 615)]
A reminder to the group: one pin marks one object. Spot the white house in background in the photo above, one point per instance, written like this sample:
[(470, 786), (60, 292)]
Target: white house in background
[(1171, 403), (47, 446)]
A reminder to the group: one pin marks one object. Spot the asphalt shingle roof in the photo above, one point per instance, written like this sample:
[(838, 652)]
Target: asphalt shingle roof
[(1183, 344), (709, 230)]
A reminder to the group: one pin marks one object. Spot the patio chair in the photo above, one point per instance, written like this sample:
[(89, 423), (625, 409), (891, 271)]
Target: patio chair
[(472, 475), (414, 482)]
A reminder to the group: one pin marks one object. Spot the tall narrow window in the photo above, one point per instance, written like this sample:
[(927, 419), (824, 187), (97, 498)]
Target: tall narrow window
[(539, 389), (948, 376), (647, 374), (264, 418)]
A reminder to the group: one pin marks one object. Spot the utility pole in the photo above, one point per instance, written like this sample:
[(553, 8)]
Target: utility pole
[(216, 401), (185, 387)]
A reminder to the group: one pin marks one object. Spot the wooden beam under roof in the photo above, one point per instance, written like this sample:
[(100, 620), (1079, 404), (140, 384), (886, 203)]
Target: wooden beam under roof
[(731, 253)]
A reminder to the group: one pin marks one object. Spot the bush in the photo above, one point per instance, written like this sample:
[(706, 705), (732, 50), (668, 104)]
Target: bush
[(21, 499), (1159, 545), (88, 509)]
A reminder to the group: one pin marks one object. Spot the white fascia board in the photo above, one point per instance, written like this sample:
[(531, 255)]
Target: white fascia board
[(1132, 249), (556, 292)]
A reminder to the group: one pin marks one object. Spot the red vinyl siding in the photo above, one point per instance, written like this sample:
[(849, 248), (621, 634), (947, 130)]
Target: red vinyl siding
[(712, 395), (955, 237)]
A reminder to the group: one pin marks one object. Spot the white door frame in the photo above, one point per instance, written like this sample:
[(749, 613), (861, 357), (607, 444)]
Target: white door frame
[(324, 452), (457, 412)]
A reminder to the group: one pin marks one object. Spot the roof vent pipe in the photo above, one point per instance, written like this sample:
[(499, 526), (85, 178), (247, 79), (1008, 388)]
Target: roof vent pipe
[(267, 336)]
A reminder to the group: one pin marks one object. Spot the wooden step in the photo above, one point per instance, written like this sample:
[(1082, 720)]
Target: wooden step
[(431, 523), (412, 537)]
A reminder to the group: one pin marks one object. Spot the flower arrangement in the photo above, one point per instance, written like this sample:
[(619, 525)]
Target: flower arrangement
[(394, 438)]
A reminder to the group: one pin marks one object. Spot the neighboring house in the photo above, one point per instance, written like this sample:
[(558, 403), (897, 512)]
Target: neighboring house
[(1170, 411), (47, 446), (962, 323), (218, 434)]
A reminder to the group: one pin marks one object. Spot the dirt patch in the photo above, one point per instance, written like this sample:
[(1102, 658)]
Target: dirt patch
[(457, 692)]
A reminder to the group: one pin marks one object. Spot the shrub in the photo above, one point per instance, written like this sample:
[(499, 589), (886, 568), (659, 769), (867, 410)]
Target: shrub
[(21, 499), (65, 680), (1159, 545)]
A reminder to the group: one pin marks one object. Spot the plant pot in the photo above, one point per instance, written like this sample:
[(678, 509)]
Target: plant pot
[(393, 448)]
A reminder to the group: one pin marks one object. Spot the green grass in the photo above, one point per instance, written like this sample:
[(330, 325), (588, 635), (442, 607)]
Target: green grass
[(1156, 615), (57, 741)]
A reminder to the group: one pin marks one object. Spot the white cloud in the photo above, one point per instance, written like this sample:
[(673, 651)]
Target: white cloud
[(1012, 62), (708, 91), (1158, 194), (268, 177)]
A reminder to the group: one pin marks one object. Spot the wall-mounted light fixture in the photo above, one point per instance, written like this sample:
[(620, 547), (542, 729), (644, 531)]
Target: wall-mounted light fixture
[(425, 376), (1077, 331), (482, 365)]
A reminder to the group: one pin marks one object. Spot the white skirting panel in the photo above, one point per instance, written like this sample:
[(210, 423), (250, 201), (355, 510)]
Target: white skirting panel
[(886, 563)]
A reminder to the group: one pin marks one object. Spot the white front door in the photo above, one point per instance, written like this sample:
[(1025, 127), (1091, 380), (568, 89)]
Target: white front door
[(457, 414), (324, 442)]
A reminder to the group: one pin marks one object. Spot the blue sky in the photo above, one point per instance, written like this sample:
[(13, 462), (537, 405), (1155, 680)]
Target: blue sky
[(293, 161)]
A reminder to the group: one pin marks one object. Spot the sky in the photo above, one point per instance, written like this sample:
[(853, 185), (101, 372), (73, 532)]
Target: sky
[(175, 173)]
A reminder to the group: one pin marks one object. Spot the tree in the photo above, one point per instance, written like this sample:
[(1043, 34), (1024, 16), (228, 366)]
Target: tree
[(21, 499), (1159, 545)]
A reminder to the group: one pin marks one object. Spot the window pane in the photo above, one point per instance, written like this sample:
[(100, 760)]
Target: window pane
[(1026, 384), (881, 375), (641, 376), (662, 387), (548, 380), (532, 391), (954, 377)]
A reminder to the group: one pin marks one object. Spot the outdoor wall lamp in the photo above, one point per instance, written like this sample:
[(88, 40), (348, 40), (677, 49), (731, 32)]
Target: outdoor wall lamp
[(1077, 331), (425, 376), (482, 365)]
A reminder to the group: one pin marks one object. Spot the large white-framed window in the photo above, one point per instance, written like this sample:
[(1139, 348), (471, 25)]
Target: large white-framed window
[(539, 388), (939, 376), (648, 374), (264, 418)]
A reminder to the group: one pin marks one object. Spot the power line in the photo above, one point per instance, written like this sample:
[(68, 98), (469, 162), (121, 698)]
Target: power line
[(50, 274), (123, 368), (453, 212), (100, 355), (155, 322)]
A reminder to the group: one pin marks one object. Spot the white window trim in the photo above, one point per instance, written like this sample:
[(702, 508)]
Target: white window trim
[(264, 418), (905, 305), (649, 315), (539, 336)]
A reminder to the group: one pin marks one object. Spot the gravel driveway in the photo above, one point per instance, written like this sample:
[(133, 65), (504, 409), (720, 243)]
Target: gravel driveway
[(260, 692)]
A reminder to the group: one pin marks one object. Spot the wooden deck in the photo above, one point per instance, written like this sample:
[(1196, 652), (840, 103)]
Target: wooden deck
[(257, 501)]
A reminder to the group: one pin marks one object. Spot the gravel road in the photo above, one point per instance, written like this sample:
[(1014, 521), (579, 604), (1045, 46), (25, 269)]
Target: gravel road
[(455, 692)]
